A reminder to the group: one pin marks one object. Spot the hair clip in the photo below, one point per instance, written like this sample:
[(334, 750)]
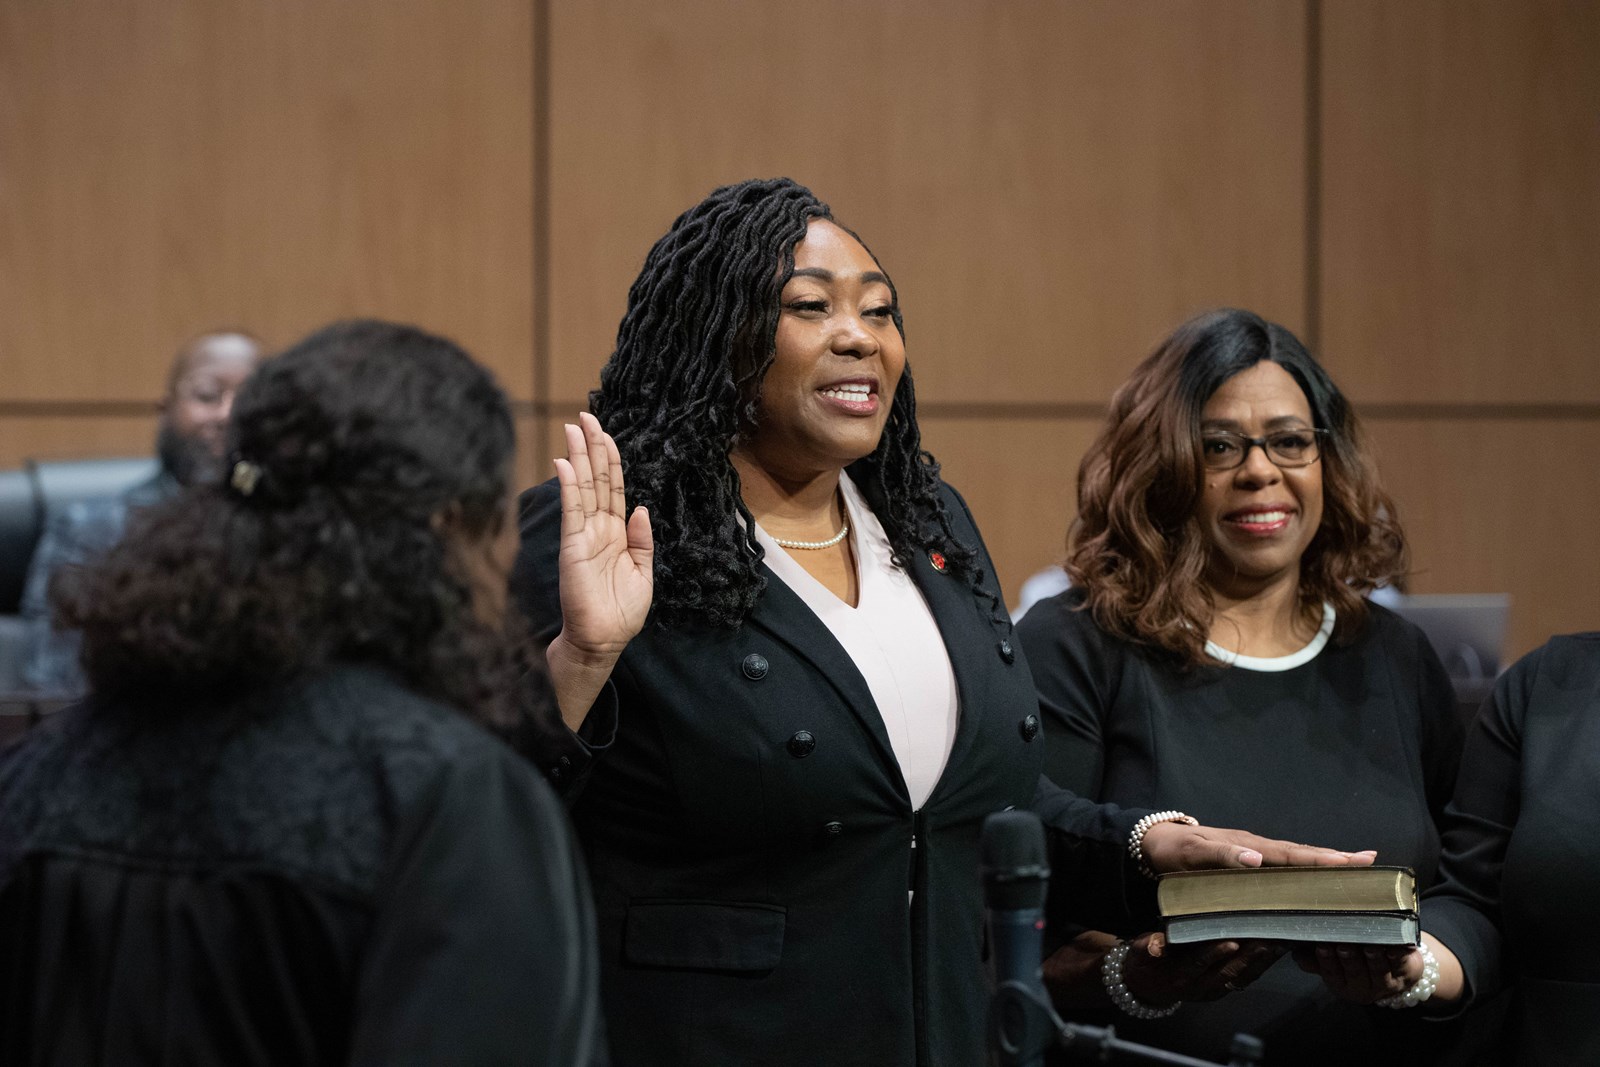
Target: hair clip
[(245, 476)]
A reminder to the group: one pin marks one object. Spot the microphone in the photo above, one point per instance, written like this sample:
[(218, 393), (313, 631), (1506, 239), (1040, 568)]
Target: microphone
[(1015, 873), (1022, 1024)]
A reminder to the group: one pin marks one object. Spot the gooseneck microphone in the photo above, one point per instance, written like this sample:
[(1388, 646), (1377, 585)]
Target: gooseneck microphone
[(1015, 875), (1022, 1024)]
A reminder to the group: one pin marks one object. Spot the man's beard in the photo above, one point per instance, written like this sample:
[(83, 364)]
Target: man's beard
[(187, 459)]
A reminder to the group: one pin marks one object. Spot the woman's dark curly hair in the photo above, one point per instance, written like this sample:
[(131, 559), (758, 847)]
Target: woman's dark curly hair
[(1137, 548), (685, 383), (367, 436)]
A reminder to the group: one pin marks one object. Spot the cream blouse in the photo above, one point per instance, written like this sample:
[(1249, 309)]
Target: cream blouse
[(893, 640)]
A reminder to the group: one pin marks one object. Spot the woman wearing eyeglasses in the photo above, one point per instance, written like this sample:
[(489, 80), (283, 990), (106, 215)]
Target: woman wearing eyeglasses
[(1216, 654)]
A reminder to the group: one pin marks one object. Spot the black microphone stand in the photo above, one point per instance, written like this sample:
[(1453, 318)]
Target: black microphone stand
[(1024, 1025)]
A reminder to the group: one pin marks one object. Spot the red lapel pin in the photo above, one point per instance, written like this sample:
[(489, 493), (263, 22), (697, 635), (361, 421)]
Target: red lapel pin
[(937, 559)]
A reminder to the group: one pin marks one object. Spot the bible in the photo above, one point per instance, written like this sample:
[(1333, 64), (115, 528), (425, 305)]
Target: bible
[(1355, 905)]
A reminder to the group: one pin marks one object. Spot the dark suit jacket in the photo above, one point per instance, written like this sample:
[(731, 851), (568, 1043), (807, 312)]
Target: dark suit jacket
[(765, 898)]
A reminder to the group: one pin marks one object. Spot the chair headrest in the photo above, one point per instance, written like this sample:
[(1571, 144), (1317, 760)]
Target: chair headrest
[(28, 497)]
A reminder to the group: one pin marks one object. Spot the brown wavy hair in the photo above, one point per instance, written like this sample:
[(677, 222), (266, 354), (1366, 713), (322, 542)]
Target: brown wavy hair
[(1136, 547)]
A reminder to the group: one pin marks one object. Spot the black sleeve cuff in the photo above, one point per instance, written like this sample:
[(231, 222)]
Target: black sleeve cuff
[(568, 760), (1472, 937)]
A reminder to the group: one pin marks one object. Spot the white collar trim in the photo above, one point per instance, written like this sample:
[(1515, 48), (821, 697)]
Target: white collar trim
[(1229, 658)]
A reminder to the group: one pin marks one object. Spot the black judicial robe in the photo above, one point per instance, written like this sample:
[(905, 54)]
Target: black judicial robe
[(762, 899), (340, 872)]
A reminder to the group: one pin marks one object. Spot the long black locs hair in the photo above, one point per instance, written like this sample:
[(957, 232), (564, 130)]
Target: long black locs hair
[(685, 382)]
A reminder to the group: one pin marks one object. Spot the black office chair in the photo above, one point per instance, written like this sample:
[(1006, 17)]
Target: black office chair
[(21, 522), (28, 497)]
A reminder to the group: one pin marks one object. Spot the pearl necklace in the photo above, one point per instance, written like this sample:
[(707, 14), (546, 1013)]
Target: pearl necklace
[(829, 543)]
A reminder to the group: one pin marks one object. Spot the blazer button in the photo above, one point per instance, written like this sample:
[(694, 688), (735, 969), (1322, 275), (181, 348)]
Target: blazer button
[(802, 744), (754, 666), (833, 829), (1029, 727)]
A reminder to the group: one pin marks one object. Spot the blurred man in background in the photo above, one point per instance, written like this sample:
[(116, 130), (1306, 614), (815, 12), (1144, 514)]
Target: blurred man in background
[(194, 416)]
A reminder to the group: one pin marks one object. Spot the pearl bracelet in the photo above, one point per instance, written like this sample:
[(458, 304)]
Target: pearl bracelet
[(1142, 827), (1422, 988), (1117, 990)]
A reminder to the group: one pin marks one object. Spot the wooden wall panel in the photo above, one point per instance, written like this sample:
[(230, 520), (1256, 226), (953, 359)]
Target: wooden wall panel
[(553, 442), (1501, 506), (1053, 186), (56, 437), (166, 168), (1461, 186), (1020, 479), (530, 431)]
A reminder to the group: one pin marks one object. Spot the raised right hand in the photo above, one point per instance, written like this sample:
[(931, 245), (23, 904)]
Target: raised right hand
[(605, 566), (606, 555)]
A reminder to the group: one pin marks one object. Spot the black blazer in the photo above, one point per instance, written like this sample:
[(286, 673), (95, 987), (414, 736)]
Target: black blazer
[(763, 890)]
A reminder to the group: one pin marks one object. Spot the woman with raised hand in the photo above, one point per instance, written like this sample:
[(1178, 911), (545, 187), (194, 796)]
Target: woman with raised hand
[(273, 834), (785, 772), (1216, 654)]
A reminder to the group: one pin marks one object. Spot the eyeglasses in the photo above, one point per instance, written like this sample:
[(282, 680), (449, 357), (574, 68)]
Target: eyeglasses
[(1223, 450)]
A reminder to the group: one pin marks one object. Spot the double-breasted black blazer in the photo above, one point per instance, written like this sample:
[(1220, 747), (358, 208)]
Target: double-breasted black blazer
[(764, 891)]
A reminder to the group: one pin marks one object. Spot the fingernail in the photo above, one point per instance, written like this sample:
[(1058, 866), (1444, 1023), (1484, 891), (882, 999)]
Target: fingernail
[(1344, 953), (1250, 858)]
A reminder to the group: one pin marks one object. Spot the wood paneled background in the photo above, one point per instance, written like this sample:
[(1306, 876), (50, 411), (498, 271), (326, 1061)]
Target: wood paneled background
[(1415, 188)]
